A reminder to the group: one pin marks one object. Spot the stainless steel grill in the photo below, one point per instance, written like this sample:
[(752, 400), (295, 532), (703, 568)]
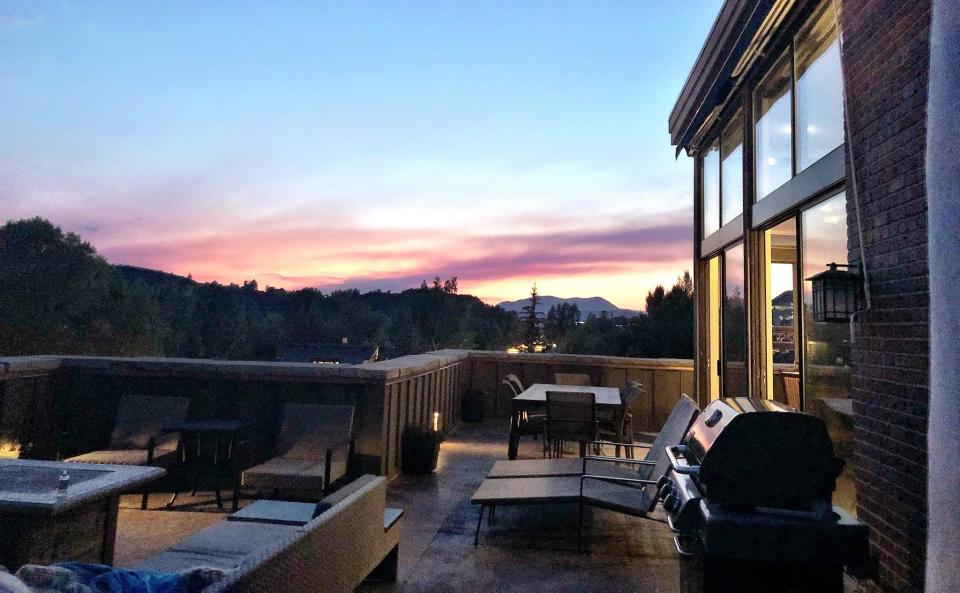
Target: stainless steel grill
[(749, 496)]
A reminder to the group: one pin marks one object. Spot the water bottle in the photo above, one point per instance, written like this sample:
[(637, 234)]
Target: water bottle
[(63, 482)]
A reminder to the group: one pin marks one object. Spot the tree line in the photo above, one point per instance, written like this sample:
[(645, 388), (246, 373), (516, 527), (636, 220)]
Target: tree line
[(58, 296)]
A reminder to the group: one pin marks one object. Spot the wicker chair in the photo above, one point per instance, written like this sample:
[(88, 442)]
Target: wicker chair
[(571, 416), (138, 436), (617, 427), (315, 447)]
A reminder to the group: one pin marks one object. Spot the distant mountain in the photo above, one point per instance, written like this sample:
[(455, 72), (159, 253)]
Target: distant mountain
[(587, 305)]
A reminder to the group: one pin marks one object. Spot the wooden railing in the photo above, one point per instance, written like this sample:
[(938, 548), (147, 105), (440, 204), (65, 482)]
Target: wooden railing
[(42, 397)]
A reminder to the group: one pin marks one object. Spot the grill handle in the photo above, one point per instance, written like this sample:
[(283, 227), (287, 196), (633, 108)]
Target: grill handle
[(680, 549), (679, 462)]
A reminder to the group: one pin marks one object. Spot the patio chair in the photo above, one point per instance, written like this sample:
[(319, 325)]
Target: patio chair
[(671, 433), (514, 383), (315, 447), (580, 379), (618, 426), (571, 416), (530, 421), (138, 436)]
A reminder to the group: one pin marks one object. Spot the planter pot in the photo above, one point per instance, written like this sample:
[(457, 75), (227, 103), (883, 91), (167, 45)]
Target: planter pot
[(472, 407), (420, 451)]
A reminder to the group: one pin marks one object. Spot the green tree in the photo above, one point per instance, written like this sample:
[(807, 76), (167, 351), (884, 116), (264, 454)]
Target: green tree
[(532, 335)]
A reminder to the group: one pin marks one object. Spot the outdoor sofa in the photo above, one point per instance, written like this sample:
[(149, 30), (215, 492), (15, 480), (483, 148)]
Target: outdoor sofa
[(352, 537)]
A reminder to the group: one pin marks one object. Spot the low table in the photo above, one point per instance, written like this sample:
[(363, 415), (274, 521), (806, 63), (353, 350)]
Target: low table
[(220, 438), (40, 526)]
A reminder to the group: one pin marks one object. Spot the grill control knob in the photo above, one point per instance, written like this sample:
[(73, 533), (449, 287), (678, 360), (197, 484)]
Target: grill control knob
[(663, 491), (671, 503)]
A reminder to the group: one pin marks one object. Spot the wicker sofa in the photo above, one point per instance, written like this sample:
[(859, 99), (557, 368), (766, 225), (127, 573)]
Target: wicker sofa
[(333, 553)]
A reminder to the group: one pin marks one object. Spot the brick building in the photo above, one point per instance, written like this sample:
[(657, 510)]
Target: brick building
[(807, 123)]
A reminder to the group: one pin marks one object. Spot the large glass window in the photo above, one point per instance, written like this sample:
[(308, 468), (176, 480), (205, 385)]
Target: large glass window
[(711, 191), (731, 154), (734, 325), (773, 131), (819, 88), (826, 348), (782, 300)]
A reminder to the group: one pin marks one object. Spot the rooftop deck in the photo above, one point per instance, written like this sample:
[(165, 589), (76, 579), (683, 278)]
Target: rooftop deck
[(526, 549)]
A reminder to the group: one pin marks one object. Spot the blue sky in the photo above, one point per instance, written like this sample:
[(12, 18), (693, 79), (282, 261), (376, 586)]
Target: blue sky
[(366, 144)]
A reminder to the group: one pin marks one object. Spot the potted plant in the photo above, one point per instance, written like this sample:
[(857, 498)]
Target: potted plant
[(421, 447), (472, 406)]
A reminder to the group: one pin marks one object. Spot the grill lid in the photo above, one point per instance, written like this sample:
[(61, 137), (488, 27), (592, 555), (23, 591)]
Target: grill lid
[(756, 452)]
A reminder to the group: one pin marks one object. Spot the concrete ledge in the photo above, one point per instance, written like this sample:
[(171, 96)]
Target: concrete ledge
[(578, 359)]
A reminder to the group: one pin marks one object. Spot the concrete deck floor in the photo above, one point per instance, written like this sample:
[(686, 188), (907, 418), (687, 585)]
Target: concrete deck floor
[(527, 549)]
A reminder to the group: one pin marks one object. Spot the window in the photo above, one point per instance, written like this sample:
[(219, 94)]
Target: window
[(803, 86), (734, 325), (819, 88), (731, 155), (711, 191), (826, 346), (773, 131)]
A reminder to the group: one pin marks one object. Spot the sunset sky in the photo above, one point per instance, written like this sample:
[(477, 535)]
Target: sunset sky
[(358, 144)]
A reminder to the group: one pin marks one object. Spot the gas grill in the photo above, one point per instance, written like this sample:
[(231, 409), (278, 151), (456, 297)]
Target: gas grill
[(748, 495)]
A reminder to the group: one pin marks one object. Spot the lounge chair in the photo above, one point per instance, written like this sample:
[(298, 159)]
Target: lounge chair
[(621, 485), (138, 436), (315, 447)]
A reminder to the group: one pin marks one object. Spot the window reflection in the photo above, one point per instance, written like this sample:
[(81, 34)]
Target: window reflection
[(731, 153), (711, 190), (734, 324), (773, 130), (819, 88), (826, 362)]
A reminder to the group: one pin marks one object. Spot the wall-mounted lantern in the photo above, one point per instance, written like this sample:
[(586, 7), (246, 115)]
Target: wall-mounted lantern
[(436, 422), (836, 294)]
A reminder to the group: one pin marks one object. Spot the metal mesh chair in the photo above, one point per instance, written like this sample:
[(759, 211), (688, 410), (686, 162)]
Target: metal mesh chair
[(579, 379), (571, 416), (617, 427)]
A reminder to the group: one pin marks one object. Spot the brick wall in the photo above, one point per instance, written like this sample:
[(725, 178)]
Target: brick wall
[(886, 49)]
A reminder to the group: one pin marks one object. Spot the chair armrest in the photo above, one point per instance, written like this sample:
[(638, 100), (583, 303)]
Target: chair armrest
[(613, 460), (615, 444), (613, 480)]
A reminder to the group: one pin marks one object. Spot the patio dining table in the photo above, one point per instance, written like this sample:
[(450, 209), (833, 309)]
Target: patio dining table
[(536, 396)]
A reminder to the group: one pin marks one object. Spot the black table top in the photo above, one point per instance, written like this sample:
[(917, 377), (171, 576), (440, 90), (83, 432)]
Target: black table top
[(207, 426)]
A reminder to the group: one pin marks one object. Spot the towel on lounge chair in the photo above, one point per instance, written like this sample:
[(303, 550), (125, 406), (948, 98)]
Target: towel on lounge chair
[(79, 577)]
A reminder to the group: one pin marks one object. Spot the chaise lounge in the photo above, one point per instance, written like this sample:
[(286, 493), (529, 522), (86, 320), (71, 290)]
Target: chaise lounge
[(623, 485), (314, 448)]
